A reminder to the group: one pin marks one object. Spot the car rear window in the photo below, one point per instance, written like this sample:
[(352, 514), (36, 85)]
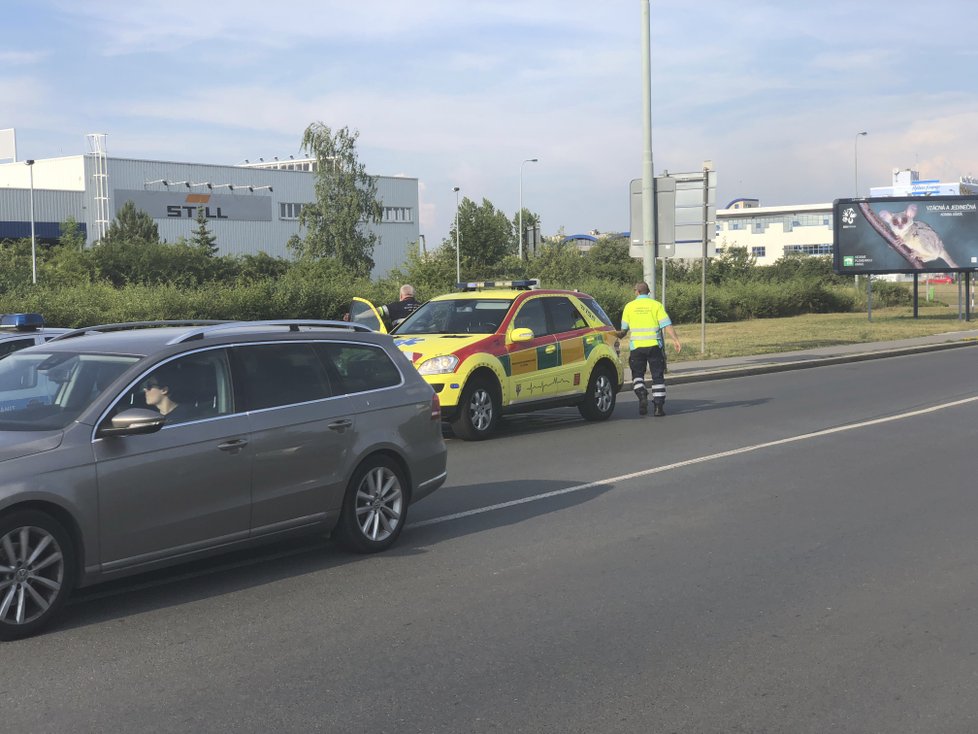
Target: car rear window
[(358, 367)]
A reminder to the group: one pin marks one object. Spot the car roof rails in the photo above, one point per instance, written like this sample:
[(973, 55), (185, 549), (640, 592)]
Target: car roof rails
[(516, 285), (132, 325), (209, 326), (292, 324)]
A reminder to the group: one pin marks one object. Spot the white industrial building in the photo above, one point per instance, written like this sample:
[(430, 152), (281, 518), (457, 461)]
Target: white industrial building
[(251, 208), (771, 232)]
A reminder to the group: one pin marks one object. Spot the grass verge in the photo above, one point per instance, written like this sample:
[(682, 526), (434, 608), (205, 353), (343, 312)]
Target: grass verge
[(764, 336)]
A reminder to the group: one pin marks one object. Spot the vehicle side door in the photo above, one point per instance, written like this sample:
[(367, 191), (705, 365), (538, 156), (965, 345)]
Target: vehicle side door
[(573, 334), (364, 312), (301, 429), (185, 487), (534, 364)]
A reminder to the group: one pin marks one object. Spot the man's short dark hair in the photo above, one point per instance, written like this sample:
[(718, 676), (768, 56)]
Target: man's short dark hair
[(642, 288)]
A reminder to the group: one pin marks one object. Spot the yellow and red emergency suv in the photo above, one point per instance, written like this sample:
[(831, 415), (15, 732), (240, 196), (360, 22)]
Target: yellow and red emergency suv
[(507, 347)]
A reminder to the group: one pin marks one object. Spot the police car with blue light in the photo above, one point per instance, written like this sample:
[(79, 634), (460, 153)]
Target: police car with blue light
[(21, 330)]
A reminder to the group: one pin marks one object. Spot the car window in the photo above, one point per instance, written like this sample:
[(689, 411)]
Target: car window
[(280, 374), (564, 315), (596, 308), (46, 391), (456, 316), (358, 367), (8, 346), (532, 316), (188, 388)]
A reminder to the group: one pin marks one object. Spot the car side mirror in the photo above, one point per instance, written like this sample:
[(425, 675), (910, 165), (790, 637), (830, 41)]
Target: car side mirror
[(133, 422), (521, 335)]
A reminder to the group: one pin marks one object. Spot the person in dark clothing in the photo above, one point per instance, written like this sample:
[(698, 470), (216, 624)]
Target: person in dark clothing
[(394, 313), (159, 396)]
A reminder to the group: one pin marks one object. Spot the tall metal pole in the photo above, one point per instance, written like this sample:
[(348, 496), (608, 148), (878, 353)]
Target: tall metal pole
[(648, 199), (855, 161), (458, 251), (707, 167), (30, 167), (520, 248)]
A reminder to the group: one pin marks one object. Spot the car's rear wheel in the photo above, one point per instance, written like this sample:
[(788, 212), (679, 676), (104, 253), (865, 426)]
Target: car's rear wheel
[(37, 572), (599, 400), (374, 508), (478, 410)]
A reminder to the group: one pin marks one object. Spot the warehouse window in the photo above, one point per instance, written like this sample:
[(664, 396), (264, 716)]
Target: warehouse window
[(398, 214), (808, 249), (288, 210)]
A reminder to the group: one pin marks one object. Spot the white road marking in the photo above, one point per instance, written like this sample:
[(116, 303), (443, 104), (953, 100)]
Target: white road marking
[(688, 462)]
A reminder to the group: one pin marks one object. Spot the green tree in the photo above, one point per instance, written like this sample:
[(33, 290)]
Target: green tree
[(67, 262), (346, 198), (530, 220), (201, 237), (133, 226), (610, 259), (485, 238)]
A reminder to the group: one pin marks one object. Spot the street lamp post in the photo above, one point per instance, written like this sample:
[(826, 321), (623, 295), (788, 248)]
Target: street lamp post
[(520, 233), (458, 251), (30, 168), (855, 159)]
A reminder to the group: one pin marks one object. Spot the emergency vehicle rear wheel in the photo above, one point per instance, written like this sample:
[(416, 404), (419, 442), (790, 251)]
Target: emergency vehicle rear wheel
[(478, 410), (599, 400)]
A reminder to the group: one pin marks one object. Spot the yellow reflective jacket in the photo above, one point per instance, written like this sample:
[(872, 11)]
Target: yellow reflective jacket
[(643, 318)]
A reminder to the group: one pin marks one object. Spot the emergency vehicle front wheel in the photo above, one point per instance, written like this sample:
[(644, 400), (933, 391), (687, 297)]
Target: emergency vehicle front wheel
[(478, 410), (599, 400)]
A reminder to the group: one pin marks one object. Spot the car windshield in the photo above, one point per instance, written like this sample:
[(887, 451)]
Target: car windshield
[(456, 316), (44, 391)]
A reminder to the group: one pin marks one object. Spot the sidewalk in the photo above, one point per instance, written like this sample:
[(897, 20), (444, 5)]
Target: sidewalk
[(714, 369)]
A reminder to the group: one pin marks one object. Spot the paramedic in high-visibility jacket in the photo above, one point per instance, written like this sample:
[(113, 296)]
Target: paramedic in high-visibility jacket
[(646, 319)]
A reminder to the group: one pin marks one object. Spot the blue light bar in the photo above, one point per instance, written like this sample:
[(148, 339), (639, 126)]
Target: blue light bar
[(478, 285), (21, 321)]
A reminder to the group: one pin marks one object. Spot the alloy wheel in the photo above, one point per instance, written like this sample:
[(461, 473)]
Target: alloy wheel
[(32, 570), (379, 504)]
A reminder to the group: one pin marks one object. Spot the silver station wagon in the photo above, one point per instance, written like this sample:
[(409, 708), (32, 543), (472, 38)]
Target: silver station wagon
[(127, 447)]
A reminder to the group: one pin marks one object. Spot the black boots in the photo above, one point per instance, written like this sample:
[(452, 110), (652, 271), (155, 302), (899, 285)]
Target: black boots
[(660, 410)]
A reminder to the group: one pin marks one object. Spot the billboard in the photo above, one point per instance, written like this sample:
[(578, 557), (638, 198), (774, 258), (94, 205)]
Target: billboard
[(930, 234)]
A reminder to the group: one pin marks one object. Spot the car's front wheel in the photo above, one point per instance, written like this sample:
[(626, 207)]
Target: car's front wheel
[(374, 508), (37, 572), (478, 410), (599, 400)]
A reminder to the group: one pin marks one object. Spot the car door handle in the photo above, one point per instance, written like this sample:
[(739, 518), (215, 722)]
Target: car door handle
[(551, 349), (340, 425), (235, 444)]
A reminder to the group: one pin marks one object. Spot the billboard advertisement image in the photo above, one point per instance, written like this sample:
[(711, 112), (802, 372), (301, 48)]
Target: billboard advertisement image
[(920, 234)]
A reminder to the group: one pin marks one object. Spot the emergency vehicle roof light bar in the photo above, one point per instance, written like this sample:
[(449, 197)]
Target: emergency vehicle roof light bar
[(518, 285), (22, 321)]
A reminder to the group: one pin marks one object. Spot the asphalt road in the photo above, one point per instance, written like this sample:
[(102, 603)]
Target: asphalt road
[(790, 552)]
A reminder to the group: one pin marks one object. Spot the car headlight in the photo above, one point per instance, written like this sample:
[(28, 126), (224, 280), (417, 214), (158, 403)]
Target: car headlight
[(438, 365)]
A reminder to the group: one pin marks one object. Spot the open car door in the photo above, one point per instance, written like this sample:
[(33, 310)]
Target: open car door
[(364, 312)]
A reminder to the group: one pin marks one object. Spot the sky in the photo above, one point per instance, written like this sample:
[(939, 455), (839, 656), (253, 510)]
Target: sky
[(461, 93)]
